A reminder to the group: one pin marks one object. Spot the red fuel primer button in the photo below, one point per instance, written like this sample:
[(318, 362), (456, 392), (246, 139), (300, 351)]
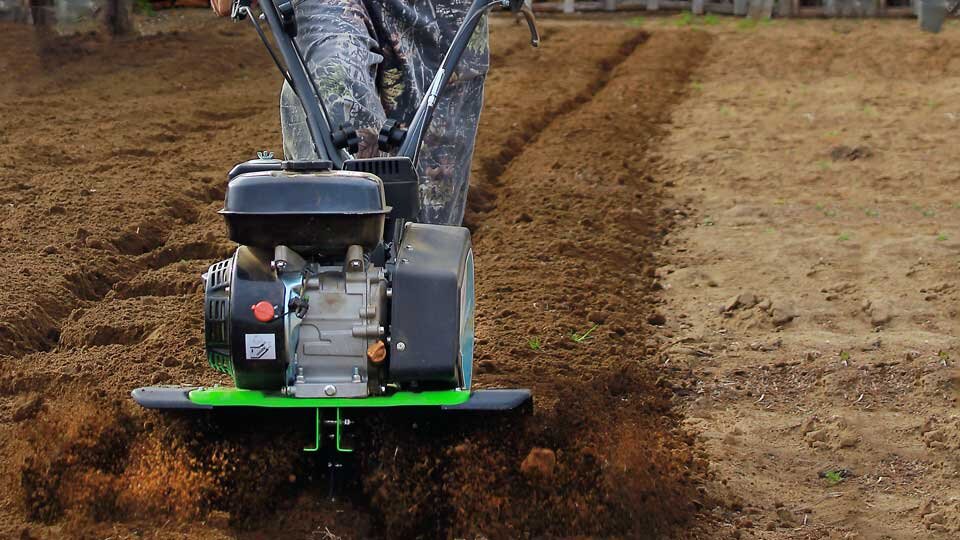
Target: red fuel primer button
[(263, 311)]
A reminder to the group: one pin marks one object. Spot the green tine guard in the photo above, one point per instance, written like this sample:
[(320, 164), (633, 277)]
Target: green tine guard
[(316, 432), (340, 423)]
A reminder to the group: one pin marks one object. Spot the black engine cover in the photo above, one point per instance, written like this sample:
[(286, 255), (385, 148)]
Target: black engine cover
[(258, 349), (425, 326)]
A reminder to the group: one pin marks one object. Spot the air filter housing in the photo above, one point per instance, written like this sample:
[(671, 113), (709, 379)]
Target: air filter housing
[(321, 212)]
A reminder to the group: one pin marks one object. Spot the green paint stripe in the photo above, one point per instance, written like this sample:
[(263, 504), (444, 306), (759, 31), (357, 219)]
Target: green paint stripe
[(235, 397)]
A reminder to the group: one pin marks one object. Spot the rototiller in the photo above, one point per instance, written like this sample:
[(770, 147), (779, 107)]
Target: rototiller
[(337, 297)]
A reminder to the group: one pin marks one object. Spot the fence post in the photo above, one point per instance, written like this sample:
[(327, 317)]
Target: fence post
[(697, 7), (568, 6), (610, 5)]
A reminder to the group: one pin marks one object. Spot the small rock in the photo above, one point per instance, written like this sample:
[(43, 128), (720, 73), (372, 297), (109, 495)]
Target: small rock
[(170, 361), (849, 441), (50, 250), (657, 319), (731, 303), (487, 366), (598, 317), (28, 408), (938, 518), (846, 153), (747, 300), (765, 304), (879, 315), (937, 435), (539, 463), (782, 315), (817, 435), (871, 344), (809, 425), (767, 346), (524, 218), (786, 517)]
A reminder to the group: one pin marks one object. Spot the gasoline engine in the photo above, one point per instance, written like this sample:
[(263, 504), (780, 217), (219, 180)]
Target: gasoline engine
[(314, 304)]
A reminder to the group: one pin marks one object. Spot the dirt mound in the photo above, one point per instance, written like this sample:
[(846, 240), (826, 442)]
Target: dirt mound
[(102, 462), (464, 478)]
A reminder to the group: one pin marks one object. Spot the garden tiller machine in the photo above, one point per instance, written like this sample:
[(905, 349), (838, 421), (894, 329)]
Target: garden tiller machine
[(337, 297)]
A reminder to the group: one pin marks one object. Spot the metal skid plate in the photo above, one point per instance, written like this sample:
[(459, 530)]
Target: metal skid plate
[(179, 397)]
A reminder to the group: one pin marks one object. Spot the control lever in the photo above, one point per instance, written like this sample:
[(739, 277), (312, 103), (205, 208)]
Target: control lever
[(531, 24)]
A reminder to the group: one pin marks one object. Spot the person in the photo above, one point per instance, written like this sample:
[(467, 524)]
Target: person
[(371, 60)]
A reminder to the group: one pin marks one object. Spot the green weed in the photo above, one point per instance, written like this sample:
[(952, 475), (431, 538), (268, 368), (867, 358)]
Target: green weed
[(534, 343), (746, 24), (711, 19), (684, 19), (844, 237), (636, 21), (833, 477), (872, 212), (942, 237), (580, 338)]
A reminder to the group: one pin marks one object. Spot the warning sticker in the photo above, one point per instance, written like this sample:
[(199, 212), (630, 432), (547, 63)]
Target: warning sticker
[(261, 346)]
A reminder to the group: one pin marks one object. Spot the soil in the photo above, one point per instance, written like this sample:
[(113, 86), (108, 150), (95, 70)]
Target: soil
[(114, 156), (810, 283), (723, 257)]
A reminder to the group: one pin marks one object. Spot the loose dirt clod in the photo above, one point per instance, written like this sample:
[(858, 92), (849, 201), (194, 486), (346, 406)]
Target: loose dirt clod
[(539, 464)]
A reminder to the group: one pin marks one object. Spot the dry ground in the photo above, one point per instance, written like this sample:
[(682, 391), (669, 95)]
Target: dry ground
[(810, 286)]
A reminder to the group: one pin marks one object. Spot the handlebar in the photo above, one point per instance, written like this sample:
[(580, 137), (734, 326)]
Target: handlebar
[(280, 19)]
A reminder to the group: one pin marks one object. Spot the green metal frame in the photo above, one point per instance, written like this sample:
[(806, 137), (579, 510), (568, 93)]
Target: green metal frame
[(318, 433), (236, 397)]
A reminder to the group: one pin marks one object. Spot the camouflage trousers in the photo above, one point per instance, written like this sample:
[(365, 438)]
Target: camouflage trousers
[(374, 59)]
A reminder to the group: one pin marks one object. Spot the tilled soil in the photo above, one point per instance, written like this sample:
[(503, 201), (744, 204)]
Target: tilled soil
[(112, 171)]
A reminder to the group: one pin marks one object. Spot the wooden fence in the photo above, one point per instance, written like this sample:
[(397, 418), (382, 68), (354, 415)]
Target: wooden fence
[(754, 8)]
